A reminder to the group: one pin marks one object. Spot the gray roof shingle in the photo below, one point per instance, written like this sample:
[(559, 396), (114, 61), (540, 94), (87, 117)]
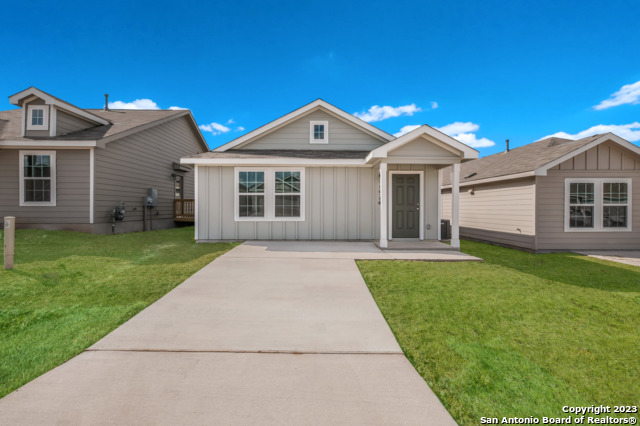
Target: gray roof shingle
[(525, 158), (121, 121)]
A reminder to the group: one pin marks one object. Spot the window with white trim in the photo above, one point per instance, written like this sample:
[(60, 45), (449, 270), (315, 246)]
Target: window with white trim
[(269, 194), (38, 117), (601, 204), (319, 132), (37, 178)]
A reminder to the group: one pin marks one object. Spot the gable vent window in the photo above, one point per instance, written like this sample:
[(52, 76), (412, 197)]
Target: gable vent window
[(319, 132), (38, 117)]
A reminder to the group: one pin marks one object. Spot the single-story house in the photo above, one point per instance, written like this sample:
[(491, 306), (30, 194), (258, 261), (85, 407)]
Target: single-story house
[(64, 167), (553, 195), (319, 173)]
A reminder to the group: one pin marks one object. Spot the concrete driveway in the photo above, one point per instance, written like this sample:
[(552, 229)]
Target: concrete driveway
[(269, 333), (629, 257)]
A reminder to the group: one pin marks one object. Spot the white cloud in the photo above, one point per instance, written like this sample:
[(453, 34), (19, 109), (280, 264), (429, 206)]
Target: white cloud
[(379, 113), (176, 108), (472, 140), (406, 129), (137, 104), (214, 128), (628, 94), (434, 105), (458, 127), (463, 132), (230, 121), (630, 132), (240, 129)]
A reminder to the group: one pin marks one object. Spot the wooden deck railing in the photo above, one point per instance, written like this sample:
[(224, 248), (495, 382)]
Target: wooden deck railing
[(184, 210)]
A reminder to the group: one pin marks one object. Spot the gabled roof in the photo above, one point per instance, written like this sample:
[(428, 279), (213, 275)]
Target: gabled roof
[(445, 141), (121, 123), (32, 92), (315, 105), (534, 159)]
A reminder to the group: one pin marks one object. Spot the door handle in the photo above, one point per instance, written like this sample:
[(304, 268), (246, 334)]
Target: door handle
[(418, 206)]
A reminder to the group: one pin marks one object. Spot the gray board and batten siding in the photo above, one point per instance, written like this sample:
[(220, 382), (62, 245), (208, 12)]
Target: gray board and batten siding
[(498, 211), (296, 135), (127, 167), (72, 192), (607, 160), (341, 203)]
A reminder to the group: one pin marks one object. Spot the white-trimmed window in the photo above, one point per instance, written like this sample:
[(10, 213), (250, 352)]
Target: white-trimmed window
[(37, 178), (38, 117), (269, 194), (601, 204), (319, 132)]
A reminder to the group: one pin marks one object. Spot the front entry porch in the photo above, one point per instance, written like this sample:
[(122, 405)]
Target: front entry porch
[(410, 206), (410, 186)]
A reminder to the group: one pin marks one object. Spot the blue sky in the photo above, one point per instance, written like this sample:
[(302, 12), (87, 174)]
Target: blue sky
[(499, 69)]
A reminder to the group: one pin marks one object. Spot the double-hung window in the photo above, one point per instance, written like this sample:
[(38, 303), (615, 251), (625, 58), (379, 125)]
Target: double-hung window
[(269, 194), (601, 204), (37, 178)]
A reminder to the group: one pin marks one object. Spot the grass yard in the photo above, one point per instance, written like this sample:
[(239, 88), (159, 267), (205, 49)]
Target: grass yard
[(69, 289), (518, 335)]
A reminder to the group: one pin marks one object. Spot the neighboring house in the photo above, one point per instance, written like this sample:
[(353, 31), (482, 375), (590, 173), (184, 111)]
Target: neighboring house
[(64, 167), (319, 173), (555, 194)]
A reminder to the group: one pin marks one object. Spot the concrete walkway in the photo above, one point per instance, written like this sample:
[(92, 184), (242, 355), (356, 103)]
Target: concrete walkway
[(629, 257), (269, 333)]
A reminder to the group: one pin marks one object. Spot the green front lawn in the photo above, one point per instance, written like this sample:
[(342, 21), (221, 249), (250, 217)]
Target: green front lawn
[(518, 335), (69, 289)]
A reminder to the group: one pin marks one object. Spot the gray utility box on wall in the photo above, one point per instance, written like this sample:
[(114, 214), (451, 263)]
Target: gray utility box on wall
[(151, 200)]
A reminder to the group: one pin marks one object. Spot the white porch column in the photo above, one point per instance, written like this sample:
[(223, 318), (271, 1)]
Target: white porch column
[(384, 243), (455, 203)]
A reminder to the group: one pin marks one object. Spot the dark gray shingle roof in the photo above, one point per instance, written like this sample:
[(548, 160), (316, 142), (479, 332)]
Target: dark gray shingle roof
[(525, 158), (121, 120)]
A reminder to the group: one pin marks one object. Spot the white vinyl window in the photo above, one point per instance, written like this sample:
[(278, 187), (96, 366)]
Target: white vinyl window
[(37, 178), (597, 205), (269, 194), (38, 117), (319, 132)]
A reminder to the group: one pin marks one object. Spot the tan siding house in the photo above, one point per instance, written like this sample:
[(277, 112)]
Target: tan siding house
[(320, 173), (63, 167), (554, 195)]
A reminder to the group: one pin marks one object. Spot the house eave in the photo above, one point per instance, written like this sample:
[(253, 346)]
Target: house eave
[(49, 144), (494, 179), (273, 162)]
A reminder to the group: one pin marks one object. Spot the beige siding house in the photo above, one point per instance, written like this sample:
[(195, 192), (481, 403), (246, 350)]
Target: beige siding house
[(64, 167), (553, 195), (320, 173)]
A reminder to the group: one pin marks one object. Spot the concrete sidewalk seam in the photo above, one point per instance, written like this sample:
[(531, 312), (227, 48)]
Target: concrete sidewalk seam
[(269, 352)]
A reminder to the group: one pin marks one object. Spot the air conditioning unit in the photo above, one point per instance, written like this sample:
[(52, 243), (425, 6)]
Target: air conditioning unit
[(445, 229)]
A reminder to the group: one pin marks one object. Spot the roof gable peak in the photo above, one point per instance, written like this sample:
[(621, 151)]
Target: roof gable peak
[(300, 112), (20, 97)]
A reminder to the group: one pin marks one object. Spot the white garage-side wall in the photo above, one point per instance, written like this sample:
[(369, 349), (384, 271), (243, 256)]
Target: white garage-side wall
[(341, 203), (500, 212)]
